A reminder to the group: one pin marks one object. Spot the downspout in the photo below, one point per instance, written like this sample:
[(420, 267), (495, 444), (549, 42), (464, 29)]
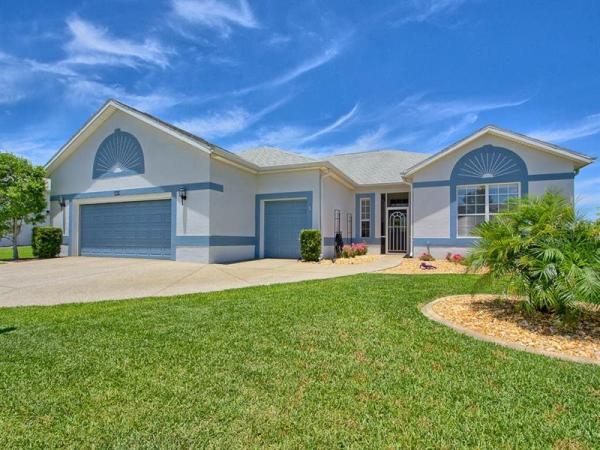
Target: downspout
[(321, 179), (412, 222)]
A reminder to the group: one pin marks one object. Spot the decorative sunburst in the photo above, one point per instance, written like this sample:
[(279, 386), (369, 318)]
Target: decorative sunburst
[(488, 165), (119, 154)]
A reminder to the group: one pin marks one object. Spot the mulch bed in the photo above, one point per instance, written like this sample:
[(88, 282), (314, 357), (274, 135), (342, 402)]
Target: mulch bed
[(356, 260), (411, 266), (505, 321)]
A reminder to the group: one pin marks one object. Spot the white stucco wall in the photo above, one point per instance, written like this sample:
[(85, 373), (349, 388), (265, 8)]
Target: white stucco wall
[(537, 161), (335, 196), (431, 205), (232, 211), (167, 160), (431, 212)]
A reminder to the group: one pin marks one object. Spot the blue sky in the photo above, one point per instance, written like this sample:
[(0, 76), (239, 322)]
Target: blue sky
[(313, 77)]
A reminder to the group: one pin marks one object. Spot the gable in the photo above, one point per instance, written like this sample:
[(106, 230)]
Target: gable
[(123, 152), (536, 161)]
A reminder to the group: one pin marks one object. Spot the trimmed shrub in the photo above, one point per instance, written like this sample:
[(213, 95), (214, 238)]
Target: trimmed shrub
[(310, 245), (46, 242)]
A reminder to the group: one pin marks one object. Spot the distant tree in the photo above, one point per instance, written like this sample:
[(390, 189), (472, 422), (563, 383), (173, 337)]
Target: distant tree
[(22, 196)]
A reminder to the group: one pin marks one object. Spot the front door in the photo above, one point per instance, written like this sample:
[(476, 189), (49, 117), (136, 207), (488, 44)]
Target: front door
[(397, 230)]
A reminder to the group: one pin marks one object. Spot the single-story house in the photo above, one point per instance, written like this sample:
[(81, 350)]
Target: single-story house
[(128, 184)]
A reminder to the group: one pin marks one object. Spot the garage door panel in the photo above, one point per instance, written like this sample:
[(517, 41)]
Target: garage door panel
[(283, 221), (134, 229)]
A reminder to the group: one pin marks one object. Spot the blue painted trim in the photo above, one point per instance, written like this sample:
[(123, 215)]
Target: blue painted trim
[(357, 198), (463, 173), (444, 242), (140, 191), (258, 198), (214, 241), (426, 184), (536, 177), (330, 241), (119, 148), (70, 253), (66, 240), (552, 176), (173, 225)]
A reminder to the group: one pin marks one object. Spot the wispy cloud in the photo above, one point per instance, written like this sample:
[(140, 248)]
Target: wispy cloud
[(94, 45), (215, 14), (86, 91), (303, 67), (428, 111), (227, 122), (588, 126), (35, 147), (331, 127), (425, 10), (443, 137)]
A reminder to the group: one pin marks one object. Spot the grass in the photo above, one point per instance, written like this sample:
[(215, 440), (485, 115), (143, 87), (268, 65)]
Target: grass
[(347, 362), (25, 252)]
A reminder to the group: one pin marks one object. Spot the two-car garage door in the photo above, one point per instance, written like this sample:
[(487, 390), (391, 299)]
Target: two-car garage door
[(128, 229)]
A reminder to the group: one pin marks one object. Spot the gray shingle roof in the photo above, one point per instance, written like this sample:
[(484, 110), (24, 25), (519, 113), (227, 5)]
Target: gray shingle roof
[(271, 156), (376, 167), (373, 167)]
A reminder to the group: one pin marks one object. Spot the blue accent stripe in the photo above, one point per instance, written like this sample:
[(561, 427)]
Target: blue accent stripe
[(426, 184), (308, 195), (358, 197), (214, 241), (444, 242), (536, 177), (172, 188), (552, 176)]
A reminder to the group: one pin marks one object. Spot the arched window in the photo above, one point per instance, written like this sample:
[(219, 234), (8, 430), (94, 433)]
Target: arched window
[(119, 154), (481, 184)]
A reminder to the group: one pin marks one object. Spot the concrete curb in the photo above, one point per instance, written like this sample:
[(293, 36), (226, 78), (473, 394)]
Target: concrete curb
[(428, 312)]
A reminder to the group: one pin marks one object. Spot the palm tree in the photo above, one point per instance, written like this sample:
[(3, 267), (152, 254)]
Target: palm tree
[(540, 249)]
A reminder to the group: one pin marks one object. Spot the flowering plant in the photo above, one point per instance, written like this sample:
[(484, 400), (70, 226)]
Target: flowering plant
[(352, 250)]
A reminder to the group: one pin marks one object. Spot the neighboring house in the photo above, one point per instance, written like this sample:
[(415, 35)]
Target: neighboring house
[(128, 184), (24, 237)]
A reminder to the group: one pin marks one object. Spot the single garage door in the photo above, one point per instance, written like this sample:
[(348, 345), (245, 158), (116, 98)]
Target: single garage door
[(283, 221), (130, 229)]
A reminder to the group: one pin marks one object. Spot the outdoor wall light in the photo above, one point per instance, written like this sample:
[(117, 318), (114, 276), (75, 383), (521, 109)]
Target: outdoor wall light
[(62, 202), (182, 194)]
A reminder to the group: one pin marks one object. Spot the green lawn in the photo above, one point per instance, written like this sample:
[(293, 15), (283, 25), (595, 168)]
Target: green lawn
[(6, 253), (348, 362)]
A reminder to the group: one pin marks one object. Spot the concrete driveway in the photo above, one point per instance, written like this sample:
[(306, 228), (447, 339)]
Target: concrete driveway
[(81, 279)]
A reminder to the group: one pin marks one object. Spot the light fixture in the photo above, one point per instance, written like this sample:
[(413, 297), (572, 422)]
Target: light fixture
[(182, 194), (62, 202)]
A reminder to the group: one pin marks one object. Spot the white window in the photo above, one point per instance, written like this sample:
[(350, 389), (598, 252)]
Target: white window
[(479, 203), (365, 217)]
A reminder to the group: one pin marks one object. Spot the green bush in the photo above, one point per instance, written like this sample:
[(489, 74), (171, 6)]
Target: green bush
[(46, 242), (310, 245), (542, 250)]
